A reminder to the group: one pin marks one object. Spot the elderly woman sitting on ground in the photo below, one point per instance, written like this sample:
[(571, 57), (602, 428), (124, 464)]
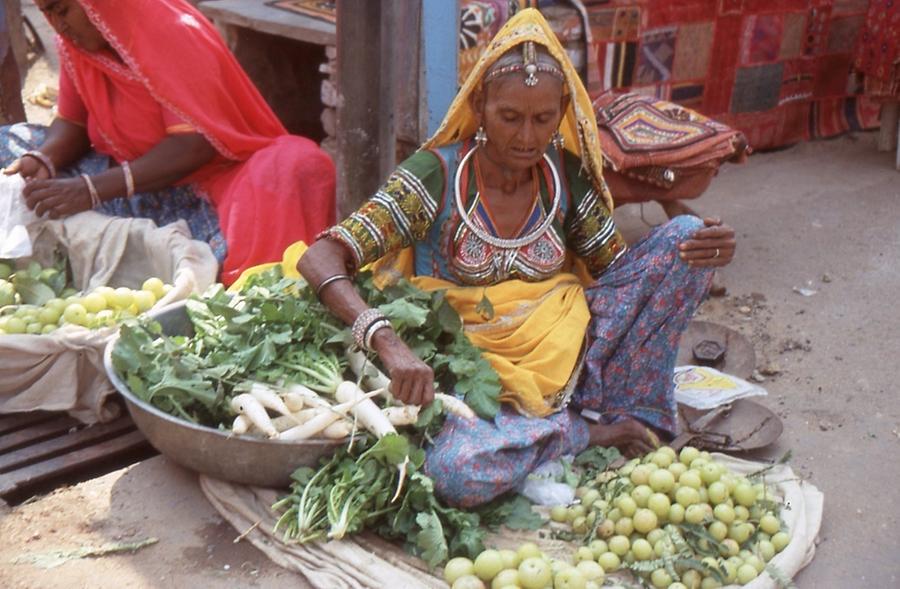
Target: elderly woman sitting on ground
[(507, 202)]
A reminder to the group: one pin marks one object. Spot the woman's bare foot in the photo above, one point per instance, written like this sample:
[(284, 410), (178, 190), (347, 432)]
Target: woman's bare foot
[(630, 436)]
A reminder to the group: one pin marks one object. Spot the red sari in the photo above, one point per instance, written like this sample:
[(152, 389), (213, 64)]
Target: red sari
[(270, 189)]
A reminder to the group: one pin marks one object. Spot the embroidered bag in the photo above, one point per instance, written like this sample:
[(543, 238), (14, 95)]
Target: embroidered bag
[(658, 150)]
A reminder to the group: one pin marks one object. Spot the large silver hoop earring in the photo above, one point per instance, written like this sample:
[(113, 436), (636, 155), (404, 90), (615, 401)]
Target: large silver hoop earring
[(557, 140), (481, 137)]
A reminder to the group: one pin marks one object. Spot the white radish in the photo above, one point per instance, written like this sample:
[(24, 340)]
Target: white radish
[(360, 365), (305, 415), (309, 397), (455, 406), (269, 399), (324, 418), (286, 422), (376, 378), (364, 409), (281, 423), (293, 401), (373, 420), (338, 430), (240, 426), (400, 416), (245, 404), (310, 428)]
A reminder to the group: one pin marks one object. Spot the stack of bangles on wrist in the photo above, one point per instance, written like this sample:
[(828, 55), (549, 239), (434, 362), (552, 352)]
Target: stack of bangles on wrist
[(95, 196), (364, 327), (44, 160)]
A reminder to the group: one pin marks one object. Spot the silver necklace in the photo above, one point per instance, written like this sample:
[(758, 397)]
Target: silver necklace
[(500, 241)]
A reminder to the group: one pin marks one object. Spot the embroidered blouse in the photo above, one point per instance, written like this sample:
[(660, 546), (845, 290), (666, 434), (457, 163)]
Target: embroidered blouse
[(417, 207)]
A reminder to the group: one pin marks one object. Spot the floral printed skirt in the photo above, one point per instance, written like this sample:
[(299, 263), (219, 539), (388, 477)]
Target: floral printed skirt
[(639, 308), (162, 206)]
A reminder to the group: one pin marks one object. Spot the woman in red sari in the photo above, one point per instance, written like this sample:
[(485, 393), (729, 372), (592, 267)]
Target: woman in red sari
[(150, 85)]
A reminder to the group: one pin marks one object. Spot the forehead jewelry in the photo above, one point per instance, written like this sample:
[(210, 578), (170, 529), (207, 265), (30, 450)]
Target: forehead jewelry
[(530, 60)]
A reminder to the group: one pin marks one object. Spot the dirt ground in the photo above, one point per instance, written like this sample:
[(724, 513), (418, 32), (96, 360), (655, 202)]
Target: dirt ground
[(820, 217)]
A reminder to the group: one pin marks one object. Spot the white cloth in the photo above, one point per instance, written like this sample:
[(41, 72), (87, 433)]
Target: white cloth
[(63, 371)]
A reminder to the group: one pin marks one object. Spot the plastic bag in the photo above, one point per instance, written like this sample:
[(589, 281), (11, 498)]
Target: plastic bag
[(702, 387), (545, 485), (15, 216)]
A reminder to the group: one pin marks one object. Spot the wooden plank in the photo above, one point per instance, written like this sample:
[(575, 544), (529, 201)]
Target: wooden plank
[(56, 446), (887, 136), (37, 433), (73, 461), (407, 74), (254, 14), (16, 421), (366, 134)]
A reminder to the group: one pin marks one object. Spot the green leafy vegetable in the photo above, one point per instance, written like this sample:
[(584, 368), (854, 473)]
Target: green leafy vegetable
[(594, 460), (274, 330), (511, 510), (354, 489)]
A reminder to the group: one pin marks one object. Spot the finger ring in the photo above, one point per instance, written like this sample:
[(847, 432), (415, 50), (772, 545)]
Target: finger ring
[(717, 253)]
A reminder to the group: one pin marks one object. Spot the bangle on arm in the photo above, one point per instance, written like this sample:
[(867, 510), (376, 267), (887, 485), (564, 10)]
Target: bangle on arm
[(328, 281), (95, 196), (370, 332), (129, 180), (43, 159), (364, 327)]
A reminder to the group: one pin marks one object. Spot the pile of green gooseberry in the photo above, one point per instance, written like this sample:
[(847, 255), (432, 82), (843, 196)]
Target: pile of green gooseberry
[(676, 520), (103, 306)]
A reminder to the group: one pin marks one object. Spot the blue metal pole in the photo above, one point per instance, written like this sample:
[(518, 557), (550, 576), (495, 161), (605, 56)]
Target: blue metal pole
[(440, 43)]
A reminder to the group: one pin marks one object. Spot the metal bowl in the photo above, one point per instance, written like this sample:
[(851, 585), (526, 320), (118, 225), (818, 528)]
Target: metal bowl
[(251, 461)]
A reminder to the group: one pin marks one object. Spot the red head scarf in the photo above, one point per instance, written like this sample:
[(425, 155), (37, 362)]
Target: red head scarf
[(175, 53)]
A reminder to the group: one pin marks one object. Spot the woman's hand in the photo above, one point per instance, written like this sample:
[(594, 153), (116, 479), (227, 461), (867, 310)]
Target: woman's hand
[(630, 436), (412, 381), (709, 247), (57, 198), (29, 167)]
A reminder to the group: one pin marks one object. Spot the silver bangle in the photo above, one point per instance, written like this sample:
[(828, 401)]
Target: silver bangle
[(361, 325), (45, 161), (328, 281), (373, 328), (95, 196), (129, 180)]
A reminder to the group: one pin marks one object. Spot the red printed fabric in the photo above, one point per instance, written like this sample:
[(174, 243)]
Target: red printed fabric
[(269, 189), (780, 71), (878, 54)]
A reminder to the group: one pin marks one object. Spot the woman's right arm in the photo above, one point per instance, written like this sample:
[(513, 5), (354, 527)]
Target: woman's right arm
[(66, 142), (412, 381), (401, 214)]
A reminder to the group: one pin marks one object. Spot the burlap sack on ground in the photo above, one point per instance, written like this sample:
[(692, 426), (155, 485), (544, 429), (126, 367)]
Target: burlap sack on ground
[(368, 562), (63, 371)]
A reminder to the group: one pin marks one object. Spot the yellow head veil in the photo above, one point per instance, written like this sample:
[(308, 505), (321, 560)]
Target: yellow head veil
[(578, 126)]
